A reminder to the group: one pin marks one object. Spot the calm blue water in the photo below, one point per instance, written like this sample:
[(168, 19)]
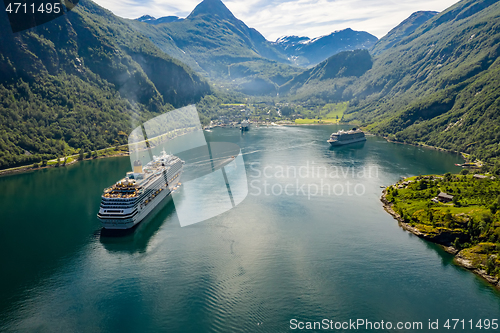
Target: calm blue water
[(290, 250)]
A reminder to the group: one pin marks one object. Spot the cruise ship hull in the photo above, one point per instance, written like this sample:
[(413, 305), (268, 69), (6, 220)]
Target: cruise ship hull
[(345, 142), (128, 223)]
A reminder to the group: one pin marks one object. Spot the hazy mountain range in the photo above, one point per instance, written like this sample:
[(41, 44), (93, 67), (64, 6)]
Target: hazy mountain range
[(78, 81), (300, 51), (433, 79), (304, 51), (216, 44), (152, 20)]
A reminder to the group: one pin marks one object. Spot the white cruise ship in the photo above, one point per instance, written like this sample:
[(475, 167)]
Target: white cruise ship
[(342, 137), (130, 200), (245, 125)]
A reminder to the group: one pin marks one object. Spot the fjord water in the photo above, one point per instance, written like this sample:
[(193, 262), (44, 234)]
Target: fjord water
[(299, 254)]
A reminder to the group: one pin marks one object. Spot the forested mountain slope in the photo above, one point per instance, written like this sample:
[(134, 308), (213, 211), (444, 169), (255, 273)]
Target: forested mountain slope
[(81, 82), (440, 85), (331, 76), (402, 30)]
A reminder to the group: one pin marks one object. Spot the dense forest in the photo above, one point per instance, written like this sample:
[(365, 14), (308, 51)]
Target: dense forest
[(82, 82), (439, 85), (432, 80)]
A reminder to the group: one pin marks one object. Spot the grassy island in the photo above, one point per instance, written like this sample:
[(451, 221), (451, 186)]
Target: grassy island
[(460, 212)]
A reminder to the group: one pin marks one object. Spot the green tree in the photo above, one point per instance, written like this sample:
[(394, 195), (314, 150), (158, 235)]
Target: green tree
[(487, 218), (490, 264), (448, 219), (430, 214), (494, 208), (496, 168), (422, 185)]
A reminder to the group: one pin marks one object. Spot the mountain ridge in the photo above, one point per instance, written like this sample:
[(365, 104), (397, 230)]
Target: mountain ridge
[(434, 81), (341, 65), (402, 30), (439, 85), (152, 20), (212, 8), (216, 44), (307, 51)]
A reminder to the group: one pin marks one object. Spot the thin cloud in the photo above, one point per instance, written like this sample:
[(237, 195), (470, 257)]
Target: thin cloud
[(277, 18)]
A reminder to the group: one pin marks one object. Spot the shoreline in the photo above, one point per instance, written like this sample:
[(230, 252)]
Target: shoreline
[(458, 259), (27, 168), (260, 123), (463, 155)]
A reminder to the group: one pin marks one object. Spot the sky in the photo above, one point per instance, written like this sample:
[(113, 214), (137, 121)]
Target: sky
[(276, 18)]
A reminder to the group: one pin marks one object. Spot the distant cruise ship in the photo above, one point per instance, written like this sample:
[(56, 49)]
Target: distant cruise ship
[(130, 200), (245, 125), (345, 137)]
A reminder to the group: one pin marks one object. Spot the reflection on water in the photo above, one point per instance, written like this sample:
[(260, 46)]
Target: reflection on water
[(348, 147)]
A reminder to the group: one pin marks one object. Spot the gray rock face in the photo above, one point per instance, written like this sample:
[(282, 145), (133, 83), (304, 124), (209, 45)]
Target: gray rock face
[(151, 20)]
